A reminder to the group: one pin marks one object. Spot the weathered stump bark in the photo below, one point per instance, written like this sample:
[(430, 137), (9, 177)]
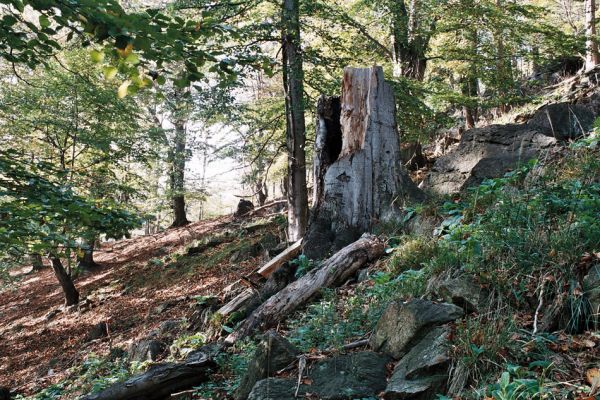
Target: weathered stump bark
[(334, 271), (359, 177), (160, 381)]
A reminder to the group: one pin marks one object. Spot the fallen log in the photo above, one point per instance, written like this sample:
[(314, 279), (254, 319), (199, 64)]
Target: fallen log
[(333, 272), (276, 263), (160, 381)]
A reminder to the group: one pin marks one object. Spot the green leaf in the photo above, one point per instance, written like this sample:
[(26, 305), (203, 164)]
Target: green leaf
[(110, 72), (44, 21), (97, 56), (161, 80), (133, 59)]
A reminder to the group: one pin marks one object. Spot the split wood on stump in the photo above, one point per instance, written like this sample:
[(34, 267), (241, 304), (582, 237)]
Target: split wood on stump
[(359, 177)]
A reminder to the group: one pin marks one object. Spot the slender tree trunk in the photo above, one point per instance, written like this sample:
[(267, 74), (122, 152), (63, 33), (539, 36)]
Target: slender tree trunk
[(470, 83), (503, 66), (37, 262), (293, 80), (68, 287), (178, 177), (87, 260), (591, 46)]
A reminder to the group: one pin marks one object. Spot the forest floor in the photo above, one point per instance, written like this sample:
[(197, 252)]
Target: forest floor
[(39, 341)]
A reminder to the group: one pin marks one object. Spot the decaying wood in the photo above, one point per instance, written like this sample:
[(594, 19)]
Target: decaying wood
[(160, 381), (365, 182), (236, 303), (276, 263), (333, 272)]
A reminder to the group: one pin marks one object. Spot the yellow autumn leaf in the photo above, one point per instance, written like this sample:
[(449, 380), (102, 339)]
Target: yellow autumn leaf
[(122, 92)]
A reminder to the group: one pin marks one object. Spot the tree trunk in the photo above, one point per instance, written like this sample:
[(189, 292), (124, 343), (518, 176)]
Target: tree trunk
[(591, 46), (160, 381), (409, 48), (360, 178), (333, 272), (87, 261), (37, 262), (470, 83), (178, 177), (68, 287), (293, 81)]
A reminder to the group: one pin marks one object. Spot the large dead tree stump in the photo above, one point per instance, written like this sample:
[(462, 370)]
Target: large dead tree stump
[(359, 177)]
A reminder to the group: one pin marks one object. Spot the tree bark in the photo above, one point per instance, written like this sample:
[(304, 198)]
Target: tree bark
[(160, 381), (592, 57), (293, 82), (333, 272), (68, 287), (409, 47), (360, 181), (37, 262), (178, 159), (87, 261)]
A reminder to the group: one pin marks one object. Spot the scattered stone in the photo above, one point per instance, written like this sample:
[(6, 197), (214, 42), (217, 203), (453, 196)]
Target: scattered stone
[(402, 322), (591, 287), (563, 121), (170, 326), (246, 253), (50, 315), (272, 354), (161, 308), (463, 291), (146, 350), (424, 370), (243, 208), (352, 376), (98, 331), (275, 389)]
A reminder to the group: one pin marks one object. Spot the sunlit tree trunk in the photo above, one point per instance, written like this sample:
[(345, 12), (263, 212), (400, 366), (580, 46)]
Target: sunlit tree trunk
[(65, 280), (591, 46), (293, 80), (178, 158)]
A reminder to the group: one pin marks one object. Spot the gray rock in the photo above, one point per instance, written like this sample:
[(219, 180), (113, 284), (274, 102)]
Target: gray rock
[(484, 153), (146, 350), (274, 389), (170, 326), (417, 389), (401, 323), (243, 208), (98, 331), (591, 287), (424, 370), (351, 376), (272, 354), (563, 121), (464, 292)]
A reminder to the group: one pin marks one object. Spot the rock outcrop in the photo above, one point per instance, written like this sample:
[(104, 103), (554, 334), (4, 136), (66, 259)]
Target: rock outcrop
[(494, 150), (272, 354), (402, 323)]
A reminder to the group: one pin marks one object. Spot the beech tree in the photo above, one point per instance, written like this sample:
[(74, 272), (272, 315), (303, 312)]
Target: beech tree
[(592, 57), (293, 83)]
